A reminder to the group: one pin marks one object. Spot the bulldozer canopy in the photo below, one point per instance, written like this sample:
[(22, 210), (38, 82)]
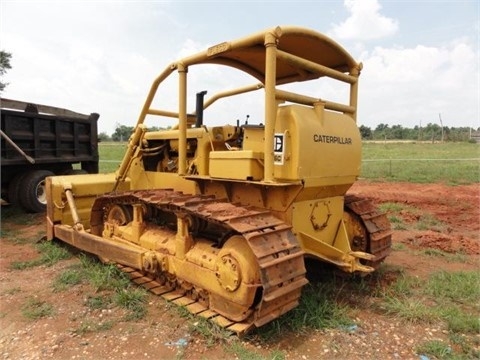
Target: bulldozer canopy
[(248, 54)]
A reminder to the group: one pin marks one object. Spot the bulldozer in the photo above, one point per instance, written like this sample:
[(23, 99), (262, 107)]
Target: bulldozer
[(220, 219)]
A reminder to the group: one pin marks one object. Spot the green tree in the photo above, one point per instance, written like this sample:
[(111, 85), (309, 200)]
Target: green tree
[(433, 132), (122, 133), (366, 132), (398, 132), (381, 131), (103, 136), (4, 66)]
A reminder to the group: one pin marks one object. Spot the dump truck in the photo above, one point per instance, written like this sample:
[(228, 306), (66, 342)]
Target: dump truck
[(40, 141), (221, 218)]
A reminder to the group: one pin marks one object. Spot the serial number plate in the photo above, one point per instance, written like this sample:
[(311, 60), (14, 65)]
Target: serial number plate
[(217, 49)]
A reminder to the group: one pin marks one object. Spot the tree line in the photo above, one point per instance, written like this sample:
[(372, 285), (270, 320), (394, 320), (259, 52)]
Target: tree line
[(431, 132), (122, 133)]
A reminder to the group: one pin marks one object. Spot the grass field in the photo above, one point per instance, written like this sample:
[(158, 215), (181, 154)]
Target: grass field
[(451, 163), (111, 153)]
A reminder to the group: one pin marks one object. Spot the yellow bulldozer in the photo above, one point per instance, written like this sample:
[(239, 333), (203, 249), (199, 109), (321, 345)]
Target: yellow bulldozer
[(220, 219)]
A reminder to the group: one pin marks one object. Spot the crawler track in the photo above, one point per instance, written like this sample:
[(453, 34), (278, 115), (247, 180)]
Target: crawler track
[(379, 240), (276, 249)]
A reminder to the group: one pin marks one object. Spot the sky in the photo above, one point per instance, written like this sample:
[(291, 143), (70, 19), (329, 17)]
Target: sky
[(421, 59)]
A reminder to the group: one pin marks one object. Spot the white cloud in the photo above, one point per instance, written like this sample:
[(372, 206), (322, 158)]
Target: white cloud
[(408, 85), (190, 47), (365, 22)]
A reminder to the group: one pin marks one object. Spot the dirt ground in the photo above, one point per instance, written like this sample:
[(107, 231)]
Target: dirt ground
[(163, 334)]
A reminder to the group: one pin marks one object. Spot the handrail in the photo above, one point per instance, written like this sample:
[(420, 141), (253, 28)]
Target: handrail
[(311, 101), (232, 92), (316, 68), (280, 95), (170, 114)]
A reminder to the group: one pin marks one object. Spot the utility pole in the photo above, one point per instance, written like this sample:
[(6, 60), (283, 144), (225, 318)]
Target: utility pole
[(441, 124)]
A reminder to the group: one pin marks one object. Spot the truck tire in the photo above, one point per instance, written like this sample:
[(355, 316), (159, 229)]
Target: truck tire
[(14, 188), (33, 197)]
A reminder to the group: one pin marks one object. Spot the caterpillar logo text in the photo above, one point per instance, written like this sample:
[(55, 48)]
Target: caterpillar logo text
[(332, 139)]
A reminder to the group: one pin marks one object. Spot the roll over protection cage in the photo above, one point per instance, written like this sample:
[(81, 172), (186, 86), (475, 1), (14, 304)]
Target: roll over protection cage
[(275, 56)]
